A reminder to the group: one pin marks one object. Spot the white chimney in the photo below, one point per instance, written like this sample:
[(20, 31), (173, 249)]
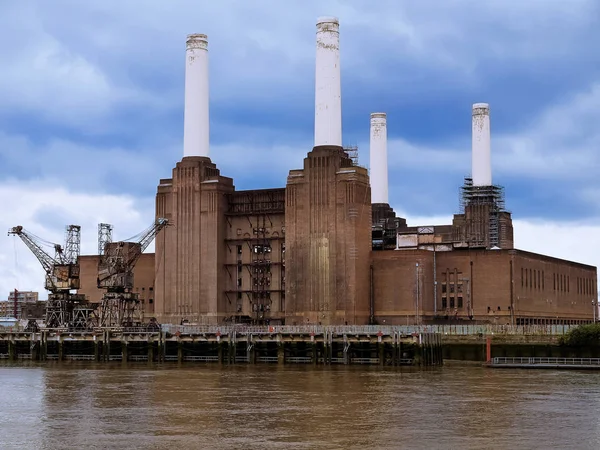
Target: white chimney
[(195, 126), (328, 97), (481, 163), (378, 156)]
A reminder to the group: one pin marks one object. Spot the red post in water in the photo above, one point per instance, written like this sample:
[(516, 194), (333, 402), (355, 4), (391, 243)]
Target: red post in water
[(488, 349)]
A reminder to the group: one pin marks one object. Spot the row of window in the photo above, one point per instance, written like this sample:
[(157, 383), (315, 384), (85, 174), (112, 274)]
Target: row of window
[(454, 303), (586, 286), (535, 279), (258, 249)]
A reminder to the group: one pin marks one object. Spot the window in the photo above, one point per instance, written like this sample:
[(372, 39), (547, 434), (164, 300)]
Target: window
[(239, 282), (460, 302), (444, 303), (444, 287), (239, 249), (150, 289), (522, 278), (151, 301), (239, 295), (261, 249), (543, 282), (451, 302)]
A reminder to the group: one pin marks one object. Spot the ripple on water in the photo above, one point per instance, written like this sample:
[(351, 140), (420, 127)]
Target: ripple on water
[(98, 406)]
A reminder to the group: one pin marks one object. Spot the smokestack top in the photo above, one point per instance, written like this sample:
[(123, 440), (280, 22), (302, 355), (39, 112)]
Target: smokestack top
[(328, 90), (197, 41), (378, 156), (328, 20), (481, 160), (481, 108), (195, 117)]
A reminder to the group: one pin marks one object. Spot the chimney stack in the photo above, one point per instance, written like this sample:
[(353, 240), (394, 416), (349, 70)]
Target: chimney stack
[(328, 98), (195, 127), (481, 163), (378, 156)]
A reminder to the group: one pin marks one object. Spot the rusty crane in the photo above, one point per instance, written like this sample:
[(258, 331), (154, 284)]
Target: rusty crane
[(64, 309), (120, 306)]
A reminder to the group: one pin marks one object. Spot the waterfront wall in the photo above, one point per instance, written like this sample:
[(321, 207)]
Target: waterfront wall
[(228, 346)]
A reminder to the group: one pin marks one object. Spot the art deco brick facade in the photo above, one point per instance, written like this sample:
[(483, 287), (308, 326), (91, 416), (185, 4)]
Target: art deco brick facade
[(190, 253), (328, 240), (486, 286)]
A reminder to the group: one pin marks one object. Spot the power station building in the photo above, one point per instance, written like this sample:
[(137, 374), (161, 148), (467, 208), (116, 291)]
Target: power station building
[(327, 248)]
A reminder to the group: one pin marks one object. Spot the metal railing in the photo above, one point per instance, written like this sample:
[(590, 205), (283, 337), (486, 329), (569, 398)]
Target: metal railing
[(457, 330), (79, 357), (201, 358), (498, 361), (364, 360), (299, 359), (267, 359)]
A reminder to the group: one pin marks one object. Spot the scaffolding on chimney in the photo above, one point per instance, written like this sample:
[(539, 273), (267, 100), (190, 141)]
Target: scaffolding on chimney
[(482, 199), (352, 151)]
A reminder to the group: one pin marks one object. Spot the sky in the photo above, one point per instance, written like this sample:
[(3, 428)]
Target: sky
[(91, 108)]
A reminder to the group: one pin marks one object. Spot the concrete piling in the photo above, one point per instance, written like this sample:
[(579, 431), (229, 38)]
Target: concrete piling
[(326, 347)]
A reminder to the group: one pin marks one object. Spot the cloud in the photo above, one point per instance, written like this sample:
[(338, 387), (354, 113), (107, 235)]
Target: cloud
[(92, 100), (45, 211)]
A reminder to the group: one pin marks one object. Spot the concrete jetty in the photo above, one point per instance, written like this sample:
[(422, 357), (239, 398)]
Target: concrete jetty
[(384, 346)]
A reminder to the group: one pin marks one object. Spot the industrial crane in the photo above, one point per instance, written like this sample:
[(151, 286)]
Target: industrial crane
[(120, 307), (64, 309)]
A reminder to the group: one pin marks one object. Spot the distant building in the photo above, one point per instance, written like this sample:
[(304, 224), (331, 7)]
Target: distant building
[(18, 302)]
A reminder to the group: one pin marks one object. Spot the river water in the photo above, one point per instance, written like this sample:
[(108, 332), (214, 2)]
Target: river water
[(135, 406)]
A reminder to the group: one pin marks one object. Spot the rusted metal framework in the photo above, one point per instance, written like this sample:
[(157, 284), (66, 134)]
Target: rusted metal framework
[(120, 307), (64, 309), (259, 201), (104, 236), (258, 206)]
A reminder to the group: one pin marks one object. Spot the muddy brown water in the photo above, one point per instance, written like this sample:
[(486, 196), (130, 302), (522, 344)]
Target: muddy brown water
[(136, 406)]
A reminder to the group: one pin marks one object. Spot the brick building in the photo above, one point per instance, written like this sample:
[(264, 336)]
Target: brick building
[(485, 286), (143, 280), (328, 248), (17, 304)]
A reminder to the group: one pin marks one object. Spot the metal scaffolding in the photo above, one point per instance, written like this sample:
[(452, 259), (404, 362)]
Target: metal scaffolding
[(352, 151), (481, 206), (104, 236), (259, 208)]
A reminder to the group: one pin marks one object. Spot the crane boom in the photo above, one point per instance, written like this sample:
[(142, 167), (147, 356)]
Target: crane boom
[(115, 268), (60, 274), (44, 258), (63, 309)]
